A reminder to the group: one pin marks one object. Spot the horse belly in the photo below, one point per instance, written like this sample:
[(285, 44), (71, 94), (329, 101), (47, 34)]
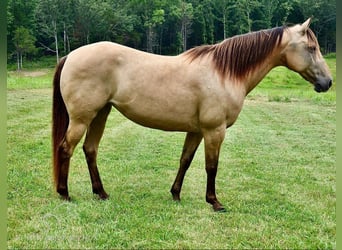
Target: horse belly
[(160, 114)]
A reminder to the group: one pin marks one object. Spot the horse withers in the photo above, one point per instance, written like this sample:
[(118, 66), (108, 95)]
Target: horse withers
[(200, 92)]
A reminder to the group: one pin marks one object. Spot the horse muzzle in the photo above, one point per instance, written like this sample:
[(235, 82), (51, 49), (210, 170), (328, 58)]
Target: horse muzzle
[(323, 84)]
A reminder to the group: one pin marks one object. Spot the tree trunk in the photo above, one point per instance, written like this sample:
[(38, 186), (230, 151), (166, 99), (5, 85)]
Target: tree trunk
[(160, 40), (149, 39), (57, 54), (18, 60), (183, 35), (68, 41), (21, 60), (249, 22), (224, 25), (65, 39), (87, 37), (54, 24)]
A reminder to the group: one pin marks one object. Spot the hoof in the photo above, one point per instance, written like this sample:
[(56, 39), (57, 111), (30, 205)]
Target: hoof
[(64, 194), (103, 196), (176, 198), (221, 210), (101, 193), (65, 198), (175, 195)]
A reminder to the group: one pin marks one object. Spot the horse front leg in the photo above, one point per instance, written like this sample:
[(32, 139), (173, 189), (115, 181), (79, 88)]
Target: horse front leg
[(191, 143), (213, 140)]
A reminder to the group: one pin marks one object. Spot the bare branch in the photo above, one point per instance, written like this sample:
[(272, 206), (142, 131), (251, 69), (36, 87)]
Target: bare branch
[(47, 48)]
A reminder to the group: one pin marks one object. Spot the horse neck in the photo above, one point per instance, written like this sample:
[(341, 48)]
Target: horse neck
[(273, 60), (255, 77)]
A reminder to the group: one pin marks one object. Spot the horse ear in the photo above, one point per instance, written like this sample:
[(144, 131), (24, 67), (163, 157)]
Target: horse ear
[(305, 25)]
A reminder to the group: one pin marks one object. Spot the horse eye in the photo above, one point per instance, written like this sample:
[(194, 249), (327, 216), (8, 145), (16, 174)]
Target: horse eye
[(312, 49)]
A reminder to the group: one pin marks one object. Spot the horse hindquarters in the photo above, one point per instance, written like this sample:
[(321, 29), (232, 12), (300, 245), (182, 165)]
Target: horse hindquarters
[(65, 135), (69, 126)]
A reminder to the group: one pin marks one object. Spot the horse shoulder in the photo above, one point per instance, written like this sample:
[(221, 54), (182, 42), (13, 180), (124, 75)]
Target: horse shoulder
[(221, 105)]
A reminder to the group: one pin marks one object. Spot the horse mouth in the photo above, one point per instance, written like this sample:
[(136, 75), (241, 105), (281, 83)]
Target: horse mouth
[(321, 83), (323, 87)]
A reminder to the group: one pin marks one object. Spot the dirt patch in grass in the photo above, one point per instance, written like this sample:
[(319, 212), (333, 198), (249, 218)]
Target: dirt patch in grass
[(35, 73)]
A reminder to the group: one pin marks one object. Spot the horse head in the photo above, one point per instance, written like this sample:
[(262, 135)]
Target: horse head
[(302, 54)]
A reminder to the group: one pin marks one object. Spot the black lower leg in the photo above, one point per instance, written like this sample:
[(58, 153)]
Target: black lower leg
[(211, 192), (62, 182), (94, 174)]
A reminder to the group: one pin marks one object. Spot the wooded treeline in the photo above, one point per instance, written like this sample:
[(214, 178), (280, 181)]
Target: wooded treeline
[(40, 27)]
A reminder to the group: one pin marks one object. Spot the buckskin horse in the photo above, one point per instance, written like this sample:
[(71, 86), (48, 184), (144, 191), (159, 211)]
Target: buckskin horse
[(200, 92)]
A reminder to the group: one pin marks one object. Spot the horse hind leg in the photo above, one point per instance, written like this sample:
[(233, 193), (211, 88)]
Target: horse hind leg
[(73, 135), (90, 148), (191, 143)]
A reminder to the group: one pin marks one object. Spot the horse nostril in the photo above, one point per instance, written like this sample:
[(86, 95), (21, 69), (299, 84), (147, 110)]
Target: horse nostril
[(330, 83)]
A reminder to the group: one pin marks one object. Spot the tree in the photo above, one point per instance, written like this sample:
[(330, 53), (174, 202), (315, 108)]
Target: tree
[(91, 21), (47, 17), (247, 7), (157, 18), (68, 15), (159, 26), (24, 43), (323, 13), (222, 7), (186, 21), (283, 12), (20, 14), (151, 16), (184, 14)]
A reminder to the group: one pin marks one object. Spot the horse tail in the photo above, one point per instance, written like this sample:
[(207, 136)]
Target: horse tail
[(60, 119)]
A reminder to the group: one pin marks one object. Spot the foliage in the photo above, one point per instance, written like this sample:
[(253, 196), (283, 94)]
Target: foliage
[(160, 26), (24, 43)]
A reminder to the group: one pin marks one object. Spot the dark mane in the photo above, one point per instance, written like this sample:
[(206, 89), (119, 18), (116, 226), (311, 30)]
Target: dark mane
[(239, 55)]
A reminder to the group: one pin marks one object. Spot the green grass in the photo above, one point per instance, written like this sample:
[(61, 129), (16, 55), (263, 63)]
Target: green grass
[(35, 75), (30, 79), (277, 177)]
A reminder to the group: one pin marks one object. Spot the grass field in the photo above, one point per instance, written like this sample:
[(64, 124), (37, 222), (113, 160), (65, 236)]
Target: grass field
[(277, 176)]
